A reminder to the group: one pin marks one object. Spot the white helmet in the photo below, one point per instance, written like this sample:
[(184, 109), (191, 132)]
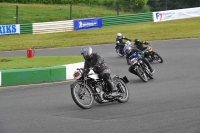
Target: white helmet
[(119, 34), (127, 49)]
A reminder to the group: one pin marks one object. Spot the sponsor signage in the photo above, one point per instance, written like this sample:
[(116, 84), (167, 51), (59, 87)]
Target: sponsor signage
[(176, 14), (9, 29), (91, 23)]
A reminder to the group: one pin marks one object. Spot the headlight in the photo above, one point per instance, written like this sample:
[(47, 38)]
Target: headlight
[(150, 49)]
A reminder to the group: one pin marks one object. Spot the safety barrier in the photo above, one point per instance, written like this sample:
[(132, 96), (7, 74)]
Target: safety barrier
[(26, 29), (127, 19), (38, 75)]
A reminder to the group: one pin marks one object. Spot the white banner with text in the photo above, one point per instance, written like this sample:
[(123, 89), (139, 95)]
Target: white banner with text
[(176, 14)]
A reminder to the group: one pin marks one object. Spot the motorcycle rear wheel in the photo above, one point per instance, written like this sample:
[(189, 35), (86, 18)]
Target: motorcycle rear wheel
[(82, 95)]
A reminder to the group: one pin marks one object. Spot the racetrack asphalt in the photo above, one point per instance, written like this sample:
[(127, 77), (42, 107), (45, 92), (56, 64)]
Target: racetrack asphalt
[(170, 103)]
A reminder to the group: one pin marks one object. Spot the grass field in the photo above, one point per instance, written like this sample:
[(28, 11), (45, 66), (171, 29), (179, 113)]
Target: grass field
[(32, 13)]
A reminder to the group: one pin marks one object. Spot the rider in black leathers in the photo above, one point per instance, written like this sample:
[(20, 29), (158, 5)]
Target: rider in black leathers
[(97, 62), (129, 51), (120, 43), (139, 44)]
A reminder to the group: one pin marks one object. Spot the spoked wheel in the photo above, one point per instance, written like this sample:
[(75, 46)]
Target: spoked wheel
[(141, 74), (148, 72), (82, 95), (158, 58), (122, 89)]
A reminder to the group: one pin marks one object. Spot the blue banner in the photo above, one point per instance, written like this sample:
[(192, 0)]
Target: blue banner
[(90, 23)]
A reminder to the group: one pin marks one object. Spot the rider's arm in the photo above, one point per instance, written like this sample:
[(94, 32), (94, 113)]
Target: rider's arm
[(126, 38), (117, 41), (99, 59), (145, 43), (86, 67)]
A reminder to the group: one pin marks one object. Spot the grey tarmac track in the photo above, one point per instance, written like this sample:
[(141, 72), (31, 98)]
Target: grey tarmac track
[(170, 103)]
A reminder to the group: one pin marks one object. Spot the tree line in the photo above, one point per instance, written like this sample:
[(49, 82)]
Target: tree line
[(132, 6)]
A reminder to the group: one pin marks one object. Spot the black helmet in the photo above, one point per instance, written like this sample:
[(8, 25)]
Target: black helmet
[(86, 52), (137, 41)]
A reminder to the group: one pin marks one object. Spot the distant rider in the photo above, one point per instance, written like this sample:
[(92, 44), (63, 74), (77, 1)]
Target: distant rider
[(129, 51), (119, 42), (140, 44), (97, 62)]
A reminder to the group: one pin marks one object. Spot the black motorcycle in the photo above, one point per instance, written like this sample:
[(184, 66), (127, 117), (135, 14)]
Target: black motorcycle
[(140, 68), (89, 88), (152, 55)]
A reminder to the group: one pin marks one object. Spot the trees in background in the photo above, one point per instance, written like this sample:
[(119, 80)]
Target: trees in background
[(131, 6), (160, 5)]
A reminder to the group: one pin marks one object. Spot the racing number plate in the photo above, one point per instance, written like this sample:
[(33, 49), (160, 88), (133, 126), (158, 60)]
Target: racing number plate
[(133, 61), (77, 74)]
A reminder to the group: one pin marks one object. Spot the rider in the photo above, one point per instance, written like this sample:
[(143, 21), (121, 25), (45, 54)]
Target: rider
[(120, 43), (129, 51), (139, 44), (97, 62)]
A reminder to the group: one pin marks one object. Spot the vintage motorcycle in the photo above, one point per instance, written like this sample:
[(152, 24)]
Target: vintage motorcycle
[(89, 88), (140, 68), (152, 55), (121, 47)]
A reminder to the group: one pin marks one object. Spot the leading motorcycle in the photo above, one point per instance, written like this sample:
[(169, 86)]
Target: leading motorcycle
[(140, 67), (88, 88)]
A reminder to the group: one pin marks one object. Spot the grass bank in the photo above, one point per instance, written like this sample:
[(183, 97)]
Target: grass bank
[(33, 13)]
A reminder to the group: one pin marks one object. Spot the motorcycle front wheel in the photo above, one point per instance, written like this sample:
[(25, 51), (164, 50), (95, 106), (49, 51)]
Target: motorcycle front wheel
[(123, 90), (82, 95), (148, 72), (158, 58), (141, 74)]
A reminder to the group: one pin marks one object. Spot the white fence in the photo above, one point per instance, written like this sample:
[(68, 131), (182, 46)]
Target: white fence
[(52, 27)]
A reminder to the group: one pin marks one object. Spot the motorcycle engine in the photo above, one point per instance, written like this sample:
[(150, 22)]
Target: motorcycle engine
[(99, 87)]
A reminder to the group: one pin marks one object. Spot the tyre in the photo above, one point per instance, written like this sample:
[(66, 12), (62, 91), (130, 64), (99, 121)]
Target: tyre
[(141, 74), (148, 72), (123, 90), (158, 58), (82, 95)]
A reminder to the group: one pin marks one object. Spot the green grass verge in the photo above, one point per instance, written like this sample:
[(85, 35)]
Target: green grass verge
[(37, 61)]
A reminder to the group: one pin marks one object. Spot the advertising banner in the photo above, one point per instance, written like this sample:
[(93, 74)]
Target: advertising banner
[(91, 23), (10, 29), (176, 14)]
